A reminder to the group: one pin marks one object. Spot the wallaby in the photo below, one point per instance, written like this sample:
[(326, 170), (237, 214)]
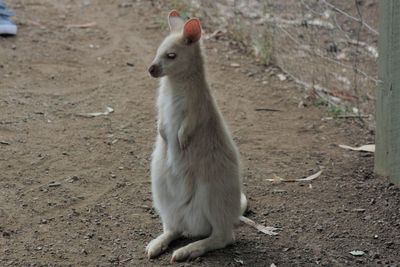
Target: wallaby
[(195, 164)]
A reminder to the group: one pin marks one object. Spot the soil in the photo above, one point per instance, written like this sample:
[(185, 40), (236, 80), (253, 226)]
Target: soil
[(75, 191)]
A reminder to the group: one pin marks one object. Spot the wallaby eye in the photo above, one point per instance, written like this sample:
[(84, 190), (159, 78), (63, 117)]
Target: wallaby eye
[(171, 55)]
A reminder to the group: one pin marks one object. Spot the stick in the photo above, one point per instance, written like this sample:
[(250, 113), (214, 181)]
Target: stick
[(263, 229), (267, 109), (83, 26)]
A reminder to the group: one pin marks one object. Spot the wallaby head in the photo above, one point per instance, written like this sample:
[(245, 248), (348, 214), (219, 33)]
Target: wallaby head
[(179, 50)]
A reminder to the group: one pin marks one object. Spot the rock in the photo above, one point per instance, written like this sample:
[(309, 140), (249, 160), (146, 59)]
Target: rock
[(281, 77), (6, 234)]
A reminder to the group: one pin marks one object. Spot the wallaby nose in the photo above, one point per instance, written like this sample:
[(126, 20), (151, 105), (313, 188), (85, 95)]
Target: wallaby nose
[(153, 70)]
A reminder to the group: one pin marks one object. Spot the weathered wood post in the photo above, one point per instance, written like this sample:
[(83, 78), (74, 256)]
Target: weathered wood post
[(387, 156)]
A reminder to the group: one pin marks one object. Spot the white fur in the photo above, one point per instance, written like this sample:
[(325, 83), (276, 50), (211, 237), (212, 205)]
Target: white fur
[(195, 164)]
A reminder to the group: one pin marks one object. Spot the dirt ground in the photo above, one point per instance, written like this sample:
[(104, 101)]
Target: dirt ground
[(75, 191)]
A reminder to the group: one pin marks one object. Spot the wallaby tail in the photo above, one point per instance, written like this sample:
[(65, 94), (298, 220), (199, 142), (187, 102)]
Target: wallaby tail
[(243, 204)]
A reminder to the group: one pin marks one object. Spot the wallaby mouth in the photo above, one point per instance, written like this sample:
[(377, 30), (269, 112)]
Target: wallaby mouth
[(155, 71)]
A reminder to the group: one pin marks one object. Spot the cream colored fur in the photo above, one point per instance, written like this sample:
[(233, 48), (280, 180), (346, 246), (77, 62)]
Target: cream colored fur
[(195, 164)]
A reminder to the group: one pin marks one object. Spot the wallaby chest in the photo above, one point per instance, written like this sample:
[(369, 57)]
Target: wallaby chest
[(172, 108)]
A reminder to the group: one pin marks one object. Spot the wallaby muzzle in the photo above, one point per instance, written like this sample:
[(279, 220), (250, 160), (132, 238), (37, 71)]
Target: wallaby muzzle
[(155, 70)]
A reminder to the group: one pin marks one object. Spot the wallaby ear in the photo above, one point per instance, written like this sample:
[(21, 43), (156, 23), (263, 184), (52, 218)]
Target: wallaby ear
[(175, 21), (192, 31)]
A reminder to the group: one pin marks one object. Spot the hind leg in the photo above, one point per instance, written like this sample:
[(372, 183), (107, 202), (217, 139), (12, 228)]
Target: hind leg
[(221, 207), (217, 240)]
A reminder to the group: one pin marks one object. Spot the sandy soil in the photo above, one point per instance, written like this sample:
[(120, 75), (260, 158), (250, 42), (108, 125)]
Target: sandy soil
[(75, 191)]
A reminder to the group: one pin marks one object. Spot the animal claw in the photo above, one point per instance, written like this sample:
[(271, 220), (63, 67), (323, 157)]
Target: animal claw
[(184, 147)]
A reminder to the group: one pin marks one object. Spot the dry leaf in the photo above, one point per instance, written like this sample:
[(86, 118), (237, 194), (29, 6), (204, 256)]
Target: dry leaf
[(309, 178), (96, 114), (357, 253), (264, 229), (83, 26), (365, 148), (278, 179), (239, 261)]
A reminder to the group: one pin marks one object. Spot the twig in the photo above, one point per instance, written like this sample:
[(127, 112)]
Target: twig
[(356, 62), (319, 54), (369, 48), (348, 66), (322, 92), (350, 16), (5, 143), (125, 260), (83, 26), (372, 50), (267, 109), (352, 116), (311, 9), (298, 22)]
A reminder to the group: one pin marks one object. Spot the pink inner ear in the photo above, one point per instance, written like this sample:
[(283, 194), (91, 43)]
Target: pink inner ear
[(174, 13), (192, 30)]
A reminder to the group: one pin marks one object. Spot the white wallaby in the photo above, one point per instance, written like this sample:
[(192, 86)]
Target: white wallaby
[(195, 164)]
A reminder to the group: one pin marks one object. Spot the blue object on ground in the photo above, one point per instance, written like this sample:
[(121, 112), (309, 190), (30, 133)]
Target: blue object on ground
[(7, 26)]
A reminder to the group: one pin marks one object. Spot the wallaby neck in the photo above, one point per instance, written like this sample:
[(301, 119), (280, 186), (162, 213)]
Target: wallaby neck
[(188, 83), (194, 79)]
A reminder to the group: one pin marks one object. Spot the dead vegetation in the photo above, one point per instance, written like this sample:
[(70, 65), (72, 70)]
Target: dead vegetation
[(329, 48)]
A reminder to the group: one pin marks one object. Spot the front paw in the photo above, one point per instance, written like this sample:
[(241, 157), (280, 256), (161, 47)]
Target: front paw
[(155, 248)]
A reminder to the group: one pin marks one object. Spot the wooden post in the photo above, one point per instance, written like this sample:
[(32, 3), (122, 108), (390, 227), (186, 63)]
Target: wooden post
[(387, 156)]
